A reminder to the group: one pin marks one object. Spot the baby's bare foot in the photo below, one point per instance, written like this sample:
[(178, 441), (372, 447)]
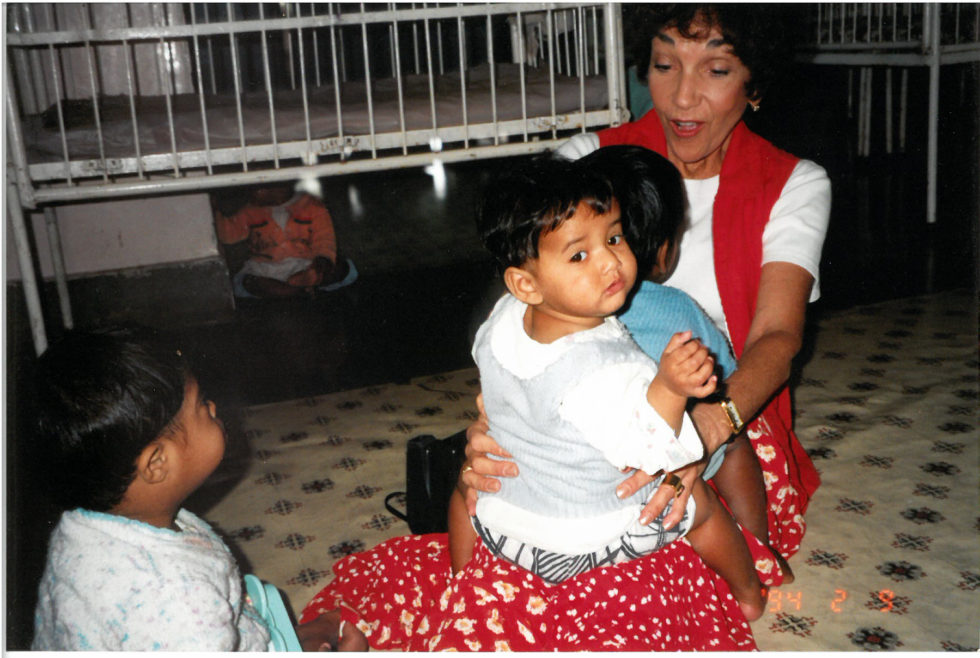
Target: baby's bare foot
[(753, 609)]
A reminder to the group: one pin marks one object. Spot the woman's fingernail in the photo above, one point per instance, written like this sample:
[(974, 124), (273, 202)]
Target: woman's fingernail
[(494, 486), (621, 492), (645, 519), (512, 471)]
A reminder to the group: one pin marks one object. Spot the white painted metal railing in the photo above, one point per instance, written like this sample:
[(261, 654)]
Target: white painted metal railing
[(895, 36), (118, 100)]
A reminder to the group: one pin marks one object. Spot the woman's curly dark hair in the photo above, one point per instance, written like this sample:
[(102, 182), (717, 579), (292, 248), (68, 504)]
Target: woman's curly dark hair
[(761, 35)]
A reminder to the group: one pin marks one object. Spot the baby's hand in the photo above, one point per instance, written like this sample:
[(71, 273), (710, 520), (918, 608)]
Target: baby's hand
[(687, 367)]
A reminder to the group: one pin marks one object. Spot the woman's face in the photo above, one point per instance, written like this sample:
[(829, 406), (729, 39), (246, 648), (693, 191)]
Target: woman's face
[(698, 90)]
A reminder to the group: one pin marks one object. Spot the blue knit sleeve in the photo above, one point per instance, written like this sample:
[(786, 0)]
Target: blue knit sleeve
[(657, 312)]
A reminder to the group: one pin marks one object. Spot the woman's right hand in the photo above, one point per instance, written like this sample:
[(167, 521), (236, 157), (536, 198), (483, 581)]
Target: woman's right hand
[(479, 472)]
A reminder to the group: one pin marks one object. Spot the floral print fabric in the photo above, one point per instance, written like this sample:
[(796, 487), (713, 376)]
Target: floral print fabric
[(402, 595)]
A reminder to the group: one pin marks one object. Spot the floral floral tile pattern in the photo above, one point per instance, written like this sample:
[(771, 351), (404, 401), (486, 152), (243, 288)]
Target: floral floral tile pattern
[(887, 409), (886, 406)]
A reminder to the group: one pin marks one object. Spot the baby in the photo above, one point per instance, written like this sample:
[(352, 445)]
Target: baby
[(572, 397), (127, 436)]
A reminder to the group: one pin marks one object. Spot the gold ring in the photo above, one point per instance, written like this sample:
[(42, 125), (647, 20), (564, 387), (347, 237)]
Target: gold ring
[(467, 469), (673, 481)]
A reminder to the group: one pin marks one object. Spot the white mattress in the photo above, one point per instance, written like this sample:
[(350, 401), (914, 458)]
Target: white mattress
[(45, 144)]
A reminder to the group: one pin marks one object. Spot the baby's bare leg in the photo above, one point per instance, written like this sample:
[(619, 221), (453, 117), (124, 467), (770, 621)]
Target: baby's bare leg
[(462, 536), (740, 482), (720, 544)]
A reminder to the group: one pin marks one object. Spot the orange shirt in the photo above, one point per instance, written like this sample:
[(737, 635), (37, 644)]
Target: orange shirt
[(307, 233)]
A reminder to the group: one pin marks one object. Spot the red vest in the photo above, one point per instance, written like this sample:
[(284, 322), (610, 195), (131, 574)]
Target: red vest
[(753, 175)]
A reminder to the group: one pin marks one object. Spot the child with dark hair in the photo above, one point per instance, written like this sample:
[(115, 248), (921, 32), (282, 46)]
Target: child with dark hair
[(652, 206), (279, 242), (573, 398), (127, 436)]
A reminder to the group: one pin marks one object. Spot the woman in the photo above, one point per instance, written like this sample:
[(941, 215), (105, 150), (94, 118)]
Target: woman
[(705, 71), (768, 207)]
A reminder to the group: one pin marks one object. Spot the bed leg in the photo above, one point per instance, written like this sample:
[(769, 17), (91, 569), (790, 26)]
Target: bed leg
[(31, 294), (58, 263)]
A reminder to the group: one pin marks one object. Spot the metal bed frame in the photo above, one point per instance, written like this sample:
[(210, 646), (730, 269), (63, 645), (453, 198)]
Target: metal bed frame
[(201, 51), (895, 36)]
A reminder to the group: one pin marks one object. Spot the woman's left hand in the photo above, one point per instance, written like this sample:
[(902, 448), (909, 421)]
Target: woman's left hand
[(663, 495)]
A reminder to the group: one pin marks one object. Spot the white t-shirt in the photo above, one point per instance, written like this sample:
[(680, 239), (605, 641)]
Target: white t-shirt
[(794, 234)]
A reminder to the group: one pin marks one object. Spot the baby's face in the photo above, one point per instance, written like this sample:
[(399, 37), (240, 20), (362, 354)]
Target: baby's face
[(201, 440), (584, 268)]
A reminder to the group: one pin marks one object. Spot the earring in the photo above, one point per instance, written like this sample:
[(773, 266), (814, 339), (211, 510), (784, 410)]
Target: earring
[(755, 105)]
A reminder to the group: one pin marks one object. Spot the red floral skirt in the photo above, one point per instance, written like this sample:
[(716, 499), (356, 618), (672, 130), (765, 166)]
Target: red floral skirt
[(403, 596)]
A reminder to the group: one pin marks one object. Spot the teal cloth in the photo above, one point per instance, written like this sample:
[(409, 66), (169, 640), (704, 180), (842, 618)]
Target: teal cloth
[(639, 94), (656, 313)]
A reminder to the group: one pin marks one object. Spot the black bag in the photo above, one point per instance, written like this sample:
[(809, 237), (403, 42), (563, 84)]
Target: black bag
[(431, 469)]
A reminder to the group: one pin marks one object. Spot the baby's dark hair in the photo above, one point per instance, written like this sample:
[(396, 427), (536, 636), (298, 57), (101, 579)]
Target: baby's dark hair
[(102, 397), (650, 195), (534, 198)]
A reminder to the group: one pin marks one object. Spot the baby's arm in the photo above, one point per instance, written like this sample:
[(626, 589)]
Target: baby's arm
[(462, 536), (686, 371)]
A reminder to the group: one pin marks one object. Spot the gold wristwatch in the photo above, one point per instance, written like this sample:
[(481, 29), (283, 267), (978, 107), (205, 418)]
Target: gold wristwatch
[(731, 412)]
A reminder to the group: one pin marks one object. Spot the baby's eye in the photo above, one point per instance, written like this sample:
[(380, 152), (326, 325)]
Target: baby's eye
[(578, 257), (617, 239)]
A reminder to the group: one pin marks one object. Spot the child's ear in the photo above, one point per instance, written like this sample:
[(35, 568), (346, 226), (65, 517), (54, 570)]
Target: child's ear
[(153, 464), (522, 285)]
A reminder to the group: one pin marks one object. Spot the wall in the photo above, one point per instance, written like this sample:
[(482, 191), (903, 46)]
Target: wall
[(126, 233)]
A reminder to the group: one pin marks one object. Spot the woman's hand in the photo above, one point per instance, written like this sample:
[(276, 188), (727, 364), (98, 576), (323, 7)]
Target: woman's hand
[(479, 472), (664, 494)]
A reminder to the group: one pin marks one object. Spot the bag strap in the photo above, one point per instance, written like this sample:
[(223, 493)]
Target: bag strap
[(397, 512)]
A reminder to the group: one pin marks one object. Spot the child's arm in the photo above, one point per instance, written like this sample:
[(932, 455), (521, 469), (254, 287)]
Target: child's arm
[(462, 536), (686, 371)]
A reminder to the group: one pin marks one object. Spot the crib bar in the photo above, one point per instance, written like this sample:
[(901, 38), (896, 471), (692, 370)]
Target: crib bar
[(343, 51), (580, 58), (132, 110), (493, 82), (316, 50), (165, 84), (213, 77), (430, 76), (200, 97), (462, 79), (442, 67), (401, 90), (95, 100), (336, 89), (523, 76), (237, 78), (55, 73), (415, 44), (551, 73), (564, 27), (267, 75), (310, 158), (367, 86), (932, 145)]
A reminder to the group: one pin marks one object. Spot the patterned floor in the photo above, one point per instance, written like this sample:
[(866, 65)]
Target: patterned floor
[(887, 407)]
